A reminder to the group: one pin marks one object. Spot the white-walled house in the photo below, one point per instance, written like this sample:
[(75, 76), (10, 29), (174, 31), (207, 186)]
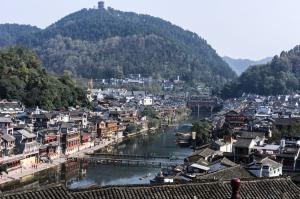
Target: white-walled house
[(266, 168), (146, 101), (223, 146), (263, 112)]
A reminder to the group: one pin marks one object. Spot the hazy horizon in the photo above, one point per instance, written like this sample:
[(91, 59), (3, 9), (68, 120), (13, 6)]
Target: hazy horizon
[(246, 30)]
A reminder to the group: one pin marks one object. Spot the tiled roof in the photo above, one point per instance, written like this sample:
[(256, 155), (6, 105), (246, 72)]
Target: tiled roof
[(243, 142), (270, 162), (203, 152), (227, 162), (5, 120), (8, 138), (8, 105), (55, 192), (228, 173), (250, 134), (266, 188), (26, 133), (260, 188)]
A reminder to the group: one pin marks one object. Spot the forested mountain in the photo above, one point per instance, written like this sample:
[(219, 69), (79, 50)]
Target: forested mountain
[(102, 43), (11, 33), (280, 76), (23, 78), (240, 65)]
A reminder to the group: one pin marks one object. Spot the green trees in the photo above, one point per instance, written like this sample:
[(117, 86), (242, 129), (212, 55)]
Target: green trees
[(150, 112), (110, 43), (203, 130), (11, 33), (280, 76), (152, 116), (281, 131), (132, 128), (23, 78)]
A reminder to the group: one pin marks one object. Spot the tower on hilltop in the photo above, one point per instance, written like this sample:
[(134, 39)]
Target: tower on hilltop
[(101, 5)]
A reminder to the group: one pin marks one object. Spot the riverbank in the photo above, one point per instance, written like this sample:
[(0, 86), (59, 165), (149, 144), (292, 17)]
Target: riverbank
[(84, 174), (18, 174), (22, 172)]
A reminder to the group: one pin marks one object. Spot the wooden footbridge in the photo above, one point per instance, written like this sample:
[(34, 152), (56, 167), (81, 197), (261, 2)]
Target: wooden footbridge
[(146, 160)]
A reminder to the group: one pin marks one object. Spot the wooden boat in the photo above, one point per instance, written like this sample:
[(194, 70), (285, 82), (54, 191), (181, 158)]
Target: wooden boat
[(184, 139)]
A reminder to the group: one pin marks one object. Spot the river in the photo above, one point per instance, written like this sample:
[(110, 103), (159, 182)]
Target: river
[(80, 175)]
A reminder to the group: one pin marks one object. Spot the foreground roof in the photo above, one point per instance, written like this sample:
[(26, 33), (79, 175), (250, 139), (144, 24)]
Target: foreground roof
[(265, 188), (228, 173), (55, 192)]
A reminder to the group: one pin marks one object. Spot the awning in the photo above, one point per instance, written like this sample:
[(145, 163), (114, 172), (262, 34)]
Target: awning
[(198, 166)]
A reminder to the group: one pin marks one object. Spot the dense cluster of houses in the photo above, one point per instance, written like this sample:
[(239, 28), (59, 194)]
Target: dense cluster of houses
[(264, 127), (137, 80), (30, 136), (252, 136)]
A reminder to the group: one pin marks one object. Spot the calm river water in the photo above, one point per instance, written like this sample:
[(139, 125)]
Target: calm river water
[(80, 175)]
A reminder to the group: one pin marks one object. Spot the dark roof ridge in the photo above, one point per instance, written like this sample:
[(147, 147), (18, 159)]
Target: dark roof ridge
[(229, 168), (33, 189), (279, 186), (200, 181)]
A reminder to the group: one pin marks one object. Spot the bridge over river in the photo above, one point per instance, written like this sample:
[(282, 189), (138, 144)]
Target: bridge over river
[(149, 160)]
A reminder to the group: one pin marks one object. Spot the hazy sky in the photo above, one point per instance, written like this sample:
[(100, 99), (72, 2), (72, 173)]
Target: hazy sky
[(238, 28)]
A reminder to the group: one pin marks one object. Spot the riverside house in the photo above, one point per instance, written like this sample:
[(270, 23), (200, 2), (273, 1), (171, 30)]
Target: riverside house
[(50, 140), (107, 129), (7, 144), (6, 125), (70, 138), (27, 145), (79, 118), (26, 142)]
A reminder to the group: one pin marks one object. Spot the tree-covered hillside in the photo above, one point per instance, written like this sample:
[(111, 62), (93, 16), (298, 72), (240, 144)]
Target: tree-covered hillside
[(101, 43), (280, 76), (11, 33), (23, 78)]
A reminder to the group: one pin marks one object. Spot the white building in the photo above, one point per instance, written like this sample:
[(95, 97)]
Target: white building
[(263, 112), (146, 101), (223, 146), (266, 168), (11, 107)]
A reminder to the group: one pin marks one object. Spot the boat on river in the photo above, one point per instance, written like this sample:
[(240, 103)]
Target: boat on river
[(146, 176), (166, 175), (184, 139), (184, 135)]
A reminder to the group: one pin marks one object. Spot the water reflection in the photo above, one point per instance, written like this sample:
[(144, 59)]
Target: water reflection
[(79, 175), (161, 144)]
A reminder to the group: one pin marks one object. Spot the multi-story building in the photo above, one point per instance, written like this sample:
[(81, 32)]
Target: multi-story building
[(6, 125), (70, 139), (8, 145), (26, 142), (107, 129), (50, 140), (235, 119)]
